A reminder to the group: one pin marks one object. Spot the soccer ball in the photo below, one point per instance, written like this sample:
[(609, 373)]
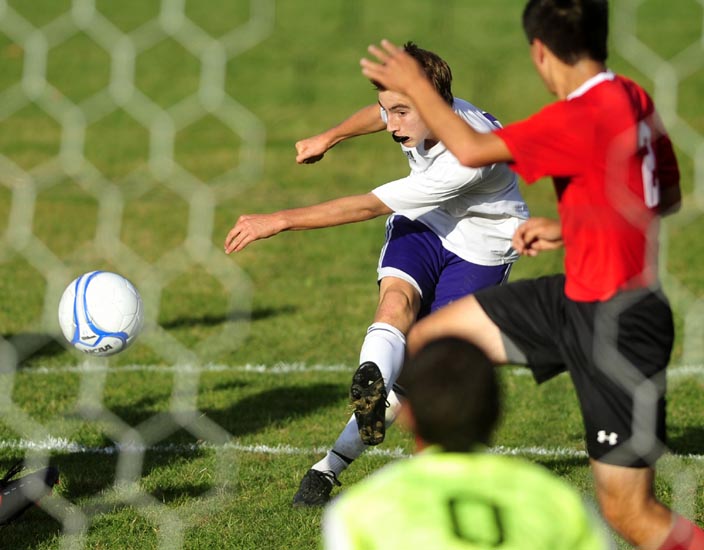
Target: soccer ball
[(101, 313)]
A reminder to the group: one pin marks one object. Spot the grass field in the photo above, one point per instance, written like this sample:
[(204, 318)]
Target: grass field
[(197, 436)]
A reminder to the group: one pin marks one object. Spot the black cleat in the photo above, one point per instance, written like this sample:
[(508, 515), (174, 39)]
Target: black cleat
[(368, 396), (17, 495), (315, 488)]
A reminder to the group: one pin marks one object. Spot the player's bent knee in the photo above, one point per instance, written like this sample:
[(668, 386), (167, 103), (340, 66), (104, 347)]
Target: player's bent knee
[(396, 298)]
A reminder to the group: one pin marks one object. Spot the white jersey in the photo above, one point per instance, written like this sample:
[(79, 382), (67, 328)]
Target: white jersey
[(474, 211)]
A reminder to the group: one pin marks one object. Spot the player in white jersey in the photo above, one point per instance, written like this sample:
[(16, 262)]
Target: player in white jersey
[(449, 235)]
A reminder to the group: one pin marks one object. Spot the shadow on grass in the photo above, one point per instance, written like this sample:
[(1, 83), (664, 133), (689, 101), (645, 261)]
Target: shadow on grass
[(214, 320), (256, 412), (246, 415), (34, 344), (689, 440), (29, 531), (561, 465)]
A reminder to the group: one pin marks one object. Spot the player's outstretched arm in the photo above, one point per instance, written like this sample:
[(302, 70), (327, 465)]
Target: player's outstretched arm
[(398, 71), (536, 235), (253, 227), (364, 121)]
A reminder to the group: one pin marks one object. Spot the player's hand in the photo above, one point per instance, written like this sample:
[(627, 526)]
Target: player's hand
[(250, 228), (395, 69), (536, 235), (311, 149)]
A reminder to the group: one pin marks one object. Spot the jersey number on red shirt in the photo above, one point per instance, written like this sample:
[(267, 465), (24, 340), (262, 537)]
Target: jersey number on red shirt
[(651, 185)]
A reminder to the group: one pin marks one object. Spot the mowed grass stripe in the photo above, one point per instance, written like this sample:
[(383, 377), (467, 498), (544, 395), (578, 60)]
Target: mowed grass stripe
[(674, 371)]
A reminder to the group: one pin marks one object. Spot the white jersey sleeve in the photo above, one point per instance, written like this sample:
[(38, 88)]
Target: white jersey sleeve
[(422, 191)]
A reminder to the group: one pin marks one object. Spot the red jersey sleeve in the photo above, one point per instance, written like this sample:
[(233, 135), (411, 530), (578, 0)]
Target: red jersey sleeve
[(550, 143)]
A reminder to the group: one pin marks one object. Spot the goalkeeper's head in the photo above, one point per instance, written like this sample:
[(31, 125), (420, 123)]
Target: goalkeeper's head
[(452, 395)]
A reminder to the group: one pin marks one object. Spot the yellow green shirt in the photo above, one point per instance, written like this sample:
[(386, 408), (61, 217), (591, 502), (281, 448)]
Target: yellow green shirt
[(461, 501)]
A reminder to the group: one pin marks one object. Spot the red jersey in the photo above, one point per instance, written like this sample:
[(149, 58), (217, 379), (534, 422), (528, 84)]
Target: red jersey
[(609, 158)]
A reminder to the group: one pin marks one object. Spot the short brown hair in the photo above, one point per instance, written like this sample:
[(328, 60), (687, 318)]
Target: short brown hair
[(453, 393), (436, 69)]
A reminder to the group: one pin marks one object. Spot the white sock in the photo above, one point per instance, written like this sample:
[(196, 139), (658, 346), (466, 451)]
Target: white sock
[(385, 346), (393, 409), (349, 445)]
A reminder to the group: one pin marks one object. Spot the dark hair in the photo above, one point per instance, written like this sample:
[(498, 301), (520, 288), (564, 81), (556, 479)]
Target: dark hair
[(436, 69), (453, 394), (571, 29)]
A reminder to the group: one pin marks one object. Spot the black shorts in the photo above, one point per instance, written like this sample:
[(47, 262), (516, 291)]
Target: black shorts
[(615, 351)]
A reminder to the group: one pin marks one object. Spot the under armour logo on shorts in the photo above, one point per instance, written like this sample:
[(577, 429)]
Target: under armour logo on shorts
[(601, 437)]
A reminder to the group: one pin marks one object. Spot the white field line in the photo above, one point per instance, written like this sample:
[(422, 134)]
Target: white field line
[(674, 371), (61, 445), (65, 446)]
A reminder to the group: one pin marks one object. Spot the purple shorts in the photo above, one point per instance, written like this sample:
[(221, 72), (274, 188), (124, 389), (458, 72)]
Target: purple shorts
[(414, 253)]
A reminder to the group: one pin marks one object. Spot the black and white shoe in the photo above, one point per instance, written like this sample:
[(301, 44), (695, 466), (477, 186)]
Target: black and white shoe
[(368, 396), (17, 495), (315, 488)]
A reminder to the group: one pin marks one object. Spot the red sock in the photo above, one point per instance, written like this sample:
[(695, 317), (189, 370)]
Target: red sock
[(684, 535)]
